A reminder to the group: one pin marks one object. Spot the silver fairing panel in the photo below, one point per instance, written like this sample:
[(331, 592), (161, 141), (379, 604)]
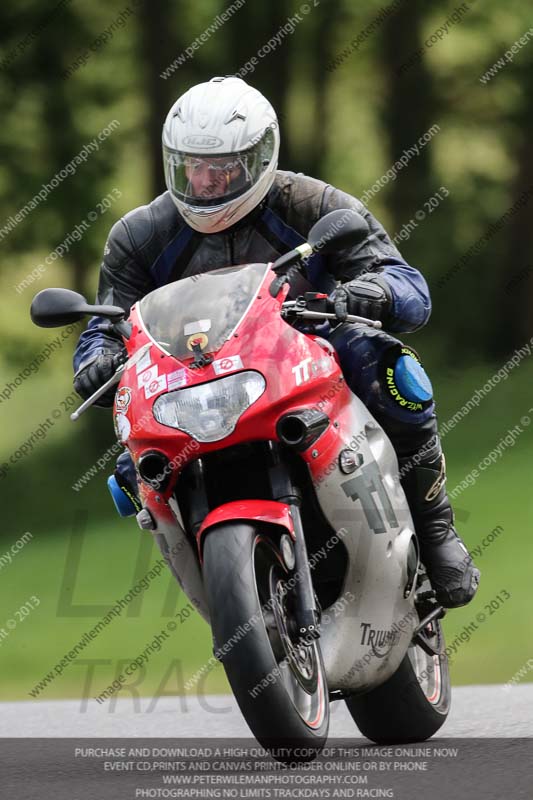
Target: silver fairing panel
[(364, 640), (176, 547)]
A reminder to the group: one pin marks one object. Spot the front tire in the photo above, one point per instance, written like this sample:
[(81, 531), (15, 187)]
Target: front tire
[(280, 685), (413, 703)]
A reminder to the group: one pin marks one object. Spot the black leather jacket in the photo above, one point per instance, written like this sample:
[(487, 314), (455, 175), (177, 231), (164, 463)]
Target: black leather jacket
[(152, 246)]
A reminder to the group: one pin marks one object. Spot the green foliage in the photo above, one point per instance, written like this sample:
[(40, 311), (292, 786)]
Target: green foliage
[(345, 126)]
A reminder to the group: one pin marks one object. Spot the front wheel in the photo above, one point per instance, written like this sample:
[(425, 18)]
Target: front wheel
[(413, 703), (278, 682)]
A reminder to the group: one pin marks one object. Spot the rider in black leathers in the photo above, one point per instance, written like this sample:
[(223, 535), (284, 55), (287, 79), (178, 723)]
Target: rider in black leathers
[(171, 239)]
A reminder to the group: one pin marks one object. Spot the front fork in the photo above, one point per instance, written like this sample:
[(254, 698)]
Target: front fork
[(306, 609)]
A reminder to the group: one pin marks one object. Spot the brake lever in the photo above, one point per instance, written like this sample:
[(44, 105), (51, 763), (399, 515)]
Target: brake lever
[(99, 392), (299, 308), (372, 323)]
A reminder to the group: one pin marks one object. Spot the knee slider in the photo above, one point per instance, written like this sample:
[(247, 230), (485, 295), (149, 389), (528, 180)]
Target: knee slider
[(412, 380), (123, 499), (123, 488), (405, 381)]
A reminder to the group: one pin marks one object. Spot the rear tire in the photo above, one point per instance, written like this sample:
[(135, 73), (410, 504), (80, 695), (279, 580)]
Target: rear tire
[(281, 689), (412, 704)]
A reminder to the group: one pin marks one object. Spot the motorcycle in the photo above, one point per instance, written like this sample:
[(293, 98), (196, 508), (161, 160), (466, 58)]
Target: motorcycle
[(275, 498)]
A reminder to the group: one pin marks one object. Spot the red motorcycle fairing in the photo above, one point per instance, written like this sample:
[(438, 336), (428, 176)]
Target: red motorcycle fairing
[(300, 370), (261, 511)]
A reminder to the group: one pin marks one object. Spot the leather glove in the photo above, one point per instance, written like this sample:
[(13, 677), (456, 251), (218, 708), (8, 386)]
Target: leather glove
[(95, 374), (369, 296)]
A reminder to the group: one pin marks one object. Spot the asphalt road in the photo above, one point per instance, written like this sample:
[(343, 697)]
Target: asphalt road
[(477, 711), (485, 759)]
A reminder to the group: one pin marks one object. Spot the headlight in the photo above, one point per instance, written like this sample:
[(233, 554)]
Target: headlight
[(210, 412)]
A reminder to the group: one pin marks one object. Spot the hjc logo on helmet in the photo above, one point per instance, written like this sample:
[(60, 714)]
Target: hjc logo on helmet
[(202, 141)]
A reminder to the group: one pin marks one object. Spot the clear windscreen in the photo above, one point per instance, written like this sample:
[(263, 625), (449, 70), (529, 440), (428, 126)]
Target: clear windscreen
[(204, 309)]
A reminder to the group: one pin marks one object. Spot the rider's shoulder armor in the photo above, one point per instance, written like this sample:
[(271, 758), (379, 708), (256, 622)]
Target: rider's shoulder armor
[(298, 199)]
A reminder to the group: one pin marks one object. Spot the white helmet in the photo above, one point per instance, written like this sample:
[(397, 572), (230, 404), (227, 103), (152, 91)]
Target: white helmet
[(220, 152)]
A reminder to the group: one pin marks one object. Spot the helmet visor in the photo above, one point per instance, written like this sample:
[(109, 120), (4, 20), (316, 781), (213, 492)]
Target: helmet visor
[(204, 181)]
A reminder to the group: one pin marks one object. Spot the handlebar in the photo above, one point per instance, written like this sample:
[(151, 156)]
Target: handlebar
[(298, 308)]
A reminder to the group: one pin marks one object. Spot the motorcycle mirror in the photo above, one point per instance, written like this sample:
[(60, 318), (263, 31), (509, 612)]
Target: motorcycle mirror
[(338, 229), (52, 308)]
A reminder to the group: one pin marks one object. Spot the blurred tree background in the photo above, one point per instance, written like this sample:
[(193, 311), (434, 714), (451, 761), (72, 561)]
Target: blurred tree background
[(347, 114)]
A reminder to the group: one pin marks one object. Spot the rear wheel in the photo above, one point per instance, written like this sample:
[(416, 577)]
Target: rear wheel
[(278, 682), (414, 703)]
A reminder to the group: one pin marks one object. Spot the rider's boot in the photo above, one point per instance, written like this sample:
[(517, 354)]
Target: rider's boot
[(449, 566)]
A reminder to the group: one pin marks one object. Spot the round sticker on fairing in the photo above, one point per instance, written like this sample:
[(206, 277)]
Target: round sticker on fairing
[(199, 339), (123, 399)]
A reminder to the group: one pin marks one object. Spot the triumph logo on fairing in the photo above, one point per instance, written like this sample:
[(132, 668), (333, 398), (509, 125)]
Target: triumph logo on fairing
[(377, 638), (203, 141)]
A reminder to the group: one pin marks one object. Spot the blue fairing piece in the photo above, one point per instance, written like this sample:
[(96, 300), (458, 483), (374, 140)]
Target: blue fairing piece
[(412, 380)]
